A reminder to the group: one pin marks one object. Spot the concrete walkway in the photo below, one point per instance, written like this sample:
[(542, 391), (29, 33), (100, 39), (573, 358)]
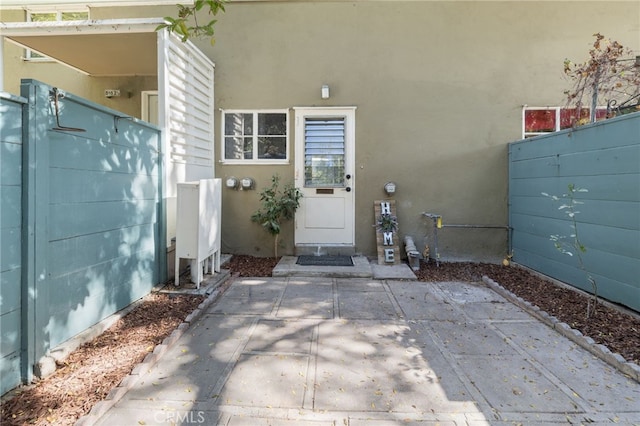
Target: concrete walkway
[(334, 351)]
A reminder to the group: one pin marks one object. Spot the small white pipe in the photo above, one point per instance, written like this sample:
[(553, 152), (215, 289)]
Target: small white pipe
[(409, 245), (413, 255)]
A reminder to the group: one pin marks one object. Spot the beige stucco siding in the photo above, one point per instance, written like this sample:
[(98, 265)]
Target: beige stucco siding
[(439, 88)]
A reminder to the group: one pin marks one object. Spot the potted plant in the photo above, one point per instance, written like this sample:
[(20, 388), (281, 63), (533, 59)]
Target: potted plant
[(387, 223)]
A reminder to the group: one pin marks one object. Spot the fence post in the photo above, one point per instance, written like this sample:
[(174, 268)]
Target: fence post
[(35, 166)]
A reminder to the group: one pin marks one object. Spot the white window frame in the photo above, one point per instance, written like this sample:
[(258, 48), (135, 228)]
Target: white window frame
[(556, 110), (28, 53), (255, 160)]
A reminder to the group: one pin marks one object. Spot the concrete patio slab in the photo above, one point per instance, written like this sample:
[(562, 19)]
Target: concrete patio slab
[(251, 297), (574, 368), (282, 336), (470, 338), (366, 305), (308, 299), (468, 293), (423, 302), (516, 391), (401, 271), (267, 380), (358, 284), (495, 311), (361, 366), (469, 361)]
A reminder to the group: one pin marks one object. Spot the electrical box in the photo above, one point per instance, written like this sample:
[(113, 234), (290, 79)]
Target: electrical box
[(198, 227)]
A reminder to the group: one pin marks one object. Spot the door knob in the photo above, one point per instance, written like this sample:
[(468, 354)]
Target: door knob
[(348, 176), (348, 189)]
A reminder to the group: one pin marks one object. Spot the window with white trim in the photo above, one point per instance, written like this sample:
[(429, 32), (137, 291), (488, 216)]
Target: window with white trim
[(540, 120), (73, 14), (255, 136)]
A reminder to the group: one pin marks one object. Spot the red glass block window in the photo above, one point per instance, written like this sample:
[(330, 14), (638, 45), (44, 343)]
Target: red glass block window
[(539, 120), (601, 114), (543, 120), (569, 117)]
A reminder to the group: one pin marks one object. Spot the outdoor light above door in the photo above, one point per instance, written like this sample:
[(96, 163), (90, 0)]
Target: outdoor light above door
[(390, 188), (325, 91)]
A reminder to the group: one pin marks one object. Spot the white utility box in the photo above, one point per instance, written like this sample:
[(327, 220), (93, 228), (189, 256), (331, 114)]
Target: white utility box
[(198, 227)]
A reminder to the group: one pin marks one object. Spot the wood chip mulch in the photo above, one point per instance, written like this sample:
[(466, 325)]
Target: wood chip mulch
[(91, 371)]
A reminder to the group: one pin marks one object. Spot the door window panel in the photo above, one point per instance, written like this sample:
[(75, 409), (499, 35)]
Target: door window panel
[(324, 152)]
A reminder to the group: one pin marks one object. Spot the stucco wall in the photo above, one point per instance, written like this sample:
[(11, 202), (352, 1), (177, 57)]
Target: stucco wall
[(439, 88)]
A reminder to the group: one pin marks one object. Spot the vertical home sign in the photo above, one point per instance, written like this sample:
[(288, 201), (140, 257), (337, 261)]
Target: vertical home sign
[(386, 224)]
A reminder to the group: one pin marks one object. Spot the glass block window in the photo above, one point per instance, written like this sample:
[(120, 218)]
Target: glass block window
[(538, 121)]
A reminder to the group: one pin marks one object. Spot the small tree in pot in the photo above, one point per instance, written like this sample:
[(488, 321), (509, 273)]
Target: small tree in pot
[(277, 206)]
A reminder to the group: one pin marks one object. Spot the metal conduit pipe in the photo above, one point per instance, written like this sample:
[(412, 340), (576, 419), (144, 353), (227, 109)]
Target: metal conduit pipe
[(475, 226), (437, 224)]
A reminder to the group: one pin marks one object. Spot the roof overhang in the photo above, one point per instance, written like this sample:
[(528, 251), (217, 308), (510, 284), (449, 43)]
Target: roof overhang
[(100, 48), (65, 4)]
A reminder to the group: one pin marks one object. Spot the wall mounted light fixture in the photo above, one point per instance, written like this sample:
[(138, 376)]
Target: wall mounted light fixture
[(325, 91), (390, 188)]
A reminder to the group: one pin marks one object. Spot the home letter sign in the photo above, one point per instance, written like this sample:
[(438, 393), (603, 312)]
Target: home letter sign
[(386, 224), (389, 256), (387, 238)]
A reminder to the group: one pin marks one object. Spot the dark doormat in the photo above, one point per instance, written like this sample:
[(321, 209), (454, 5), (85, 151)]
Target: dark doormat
[(325, 261)]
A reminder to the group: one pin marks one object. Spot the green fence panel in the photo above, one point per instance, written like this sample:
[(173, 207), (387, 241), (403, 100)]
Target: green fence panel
[(603, 158), (10, 241), (94, 206)]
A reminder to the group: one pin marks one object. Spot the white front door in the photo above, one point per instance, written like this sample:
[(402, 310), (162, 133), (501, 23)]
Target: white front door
[(324, 172)]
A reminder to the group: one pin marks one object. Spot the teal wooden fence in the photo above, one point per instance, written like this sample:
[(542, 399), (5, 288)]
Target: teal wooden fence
[(92, 233), (603, 158), (10, 241)]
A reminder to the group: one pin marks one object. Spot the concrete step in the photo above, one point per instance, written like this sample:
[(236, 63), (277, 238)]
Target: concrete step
[(362, 268)]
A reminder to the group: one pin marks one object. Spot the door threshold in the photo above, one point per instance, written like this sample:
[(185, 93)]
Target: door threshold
[(325, 250)]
